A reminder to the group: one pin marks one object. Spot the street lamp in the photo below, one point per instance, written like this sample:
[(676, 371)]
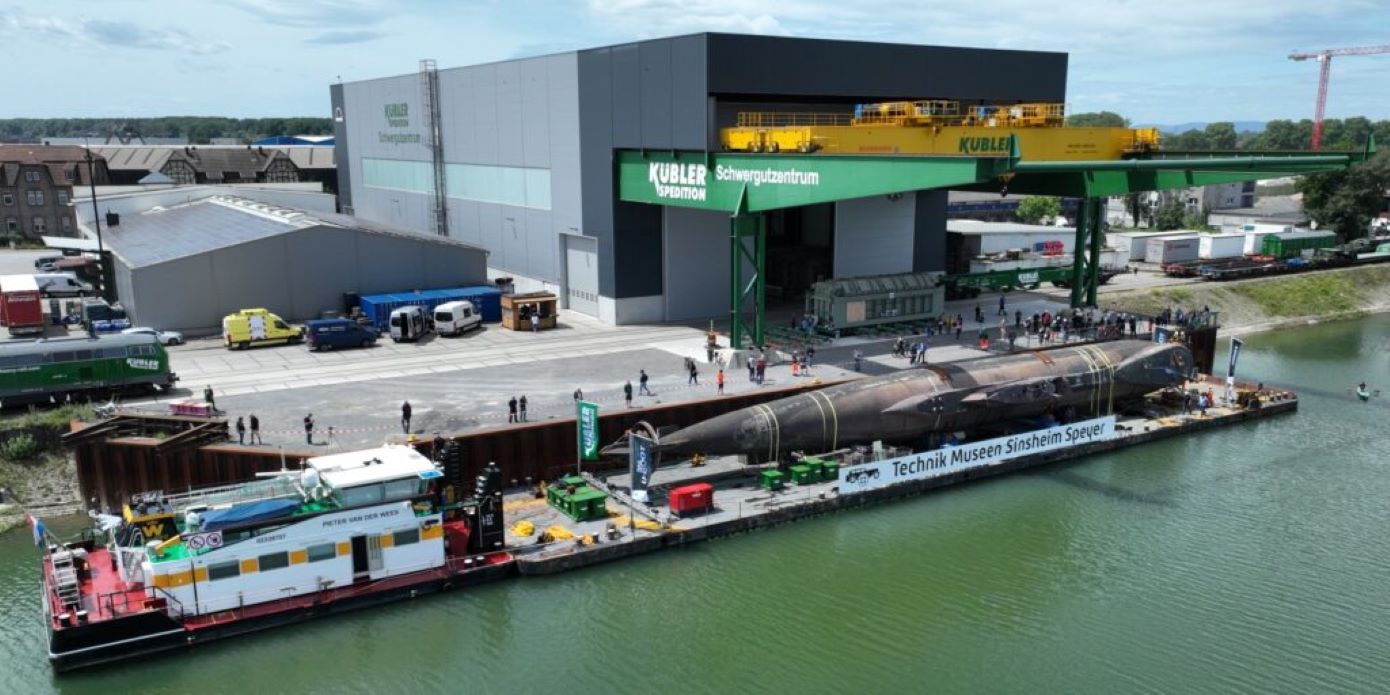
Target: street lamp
[(96, 217)]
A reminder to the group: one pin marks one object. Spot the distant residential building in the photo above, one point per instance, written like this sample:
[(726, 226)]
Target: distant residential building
[(229, 165), (1282, 211), (1225, 196), (36, 185), (130, 165)]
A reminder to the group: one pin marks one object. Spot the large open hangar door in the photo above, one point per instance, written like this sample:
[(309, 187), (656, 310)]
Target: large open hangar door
[(800, 252)]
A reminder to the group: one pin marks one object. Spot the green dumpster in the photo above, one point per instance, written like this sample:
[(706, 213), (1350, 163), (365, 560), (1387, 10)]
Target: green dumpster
[(803, 475), (830, 471), (771, 480), (586, 503)]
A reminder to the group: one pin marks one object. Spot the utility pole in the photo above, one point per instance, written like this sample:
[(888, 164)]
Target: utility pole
[(96, 218)]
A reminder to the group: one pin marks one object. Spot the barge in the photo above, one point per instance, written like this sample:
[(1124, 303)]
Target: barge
[(348, 530)]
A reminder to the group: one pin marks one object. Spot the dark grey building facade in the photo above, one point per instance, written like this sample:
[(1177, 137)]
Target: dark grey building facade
[(527, 151)]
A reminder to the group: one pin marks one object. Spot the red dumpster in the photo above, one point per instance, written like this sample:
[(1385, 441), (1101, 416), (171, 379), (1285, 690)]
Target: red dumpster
[(689, 499)]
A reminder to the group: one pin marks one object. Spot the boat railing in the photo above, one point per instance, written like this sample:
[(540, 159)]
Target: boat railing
[(283, 486), (118, 603), (172, 606)]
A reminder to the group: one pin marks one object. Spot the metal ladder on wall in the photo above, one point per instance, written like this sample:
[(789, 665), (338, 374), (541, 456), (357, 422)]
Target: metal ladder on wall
[(433, 139)]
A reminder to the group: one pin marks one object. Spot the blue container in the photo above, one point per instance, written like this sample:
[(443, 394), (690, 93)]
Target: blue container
[(487, 299), (378, 307)]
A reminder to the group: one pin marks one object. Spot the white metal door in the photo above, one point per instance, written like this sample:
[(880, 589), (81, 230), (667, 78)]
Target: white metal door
[(581, 273)]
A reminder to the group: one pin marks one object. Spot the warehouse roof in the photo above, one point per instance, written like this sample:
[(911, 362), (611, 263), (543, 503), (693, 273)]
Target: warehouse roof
[(165, 234), (980, 227), (152, 158)]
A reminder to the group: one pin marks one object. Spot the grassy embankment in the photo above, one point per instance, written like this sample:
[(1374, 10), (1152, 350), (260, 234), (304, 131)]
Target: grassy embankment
[(1262, 304), (33, 464)]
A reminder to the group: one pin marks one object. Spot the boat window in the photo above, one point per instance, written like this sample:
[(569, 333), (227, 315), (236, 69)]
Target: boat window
[(274, 561), (406, 537), (229, 537), (224, 570), (400, 489), (323, 551), (364, 494)]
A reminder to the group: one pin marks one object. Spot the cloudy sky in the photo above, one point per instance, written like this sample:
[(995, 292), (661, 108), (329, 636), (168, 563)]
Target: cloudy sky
[(1156, 61)]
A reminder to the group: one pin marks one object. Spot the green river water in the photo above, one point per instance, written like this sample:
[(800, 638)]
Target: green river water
[(1248, 559)]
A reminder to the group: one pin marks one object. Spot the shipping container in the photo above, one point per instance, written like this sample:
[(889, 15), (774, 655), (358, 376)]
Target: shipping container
[(21, 305), (689, 499), (1255, 234), (1109, 258), (1132, 244), (377, 308), (1213, 246), (1289, 244), (1165, 250)]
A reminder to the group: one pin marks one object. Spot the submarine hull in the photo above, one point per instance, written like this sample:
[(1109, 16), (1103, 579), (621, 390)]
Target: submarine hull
[(910, 405)]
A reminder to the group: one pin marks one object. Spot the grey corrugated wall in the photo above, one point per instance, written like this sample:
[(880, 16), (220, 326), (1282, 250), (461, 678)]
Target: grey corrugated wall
[(296, 275)]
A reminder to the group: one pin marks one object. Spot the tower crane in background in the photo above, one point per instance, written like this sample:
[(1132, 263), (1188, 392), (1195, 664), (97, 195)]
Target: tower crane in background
[(1325, 57)]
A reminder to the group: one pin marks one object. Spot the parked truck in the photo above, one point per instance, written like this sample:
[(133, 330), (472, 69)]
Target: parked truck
[(21, 305)]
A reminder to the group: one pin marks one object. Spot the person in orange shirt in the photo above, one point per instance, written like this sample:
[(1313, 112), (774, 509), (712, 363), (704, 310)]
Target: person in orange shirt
[(719, 380)]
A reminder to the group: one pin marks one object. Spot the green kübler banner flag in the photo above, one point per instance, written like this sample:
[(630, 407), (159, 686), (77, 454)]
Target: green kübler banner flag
[(588, 431)]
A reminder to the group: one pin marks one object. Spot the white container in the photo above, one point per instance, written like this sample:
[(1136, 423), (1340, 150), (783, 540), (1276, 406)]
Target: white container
[(1166, 250), (1212, 246)]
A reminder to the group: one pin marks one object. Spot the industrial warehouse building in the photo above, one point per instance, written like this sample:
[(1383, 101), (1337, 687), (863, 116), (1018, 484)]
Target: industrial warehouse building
[(184, 267), (523, 154)]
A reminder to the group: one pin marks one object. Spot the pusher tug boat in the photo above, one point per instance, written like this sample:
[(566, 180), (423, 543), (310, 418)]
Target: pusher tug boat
[(347, 530)]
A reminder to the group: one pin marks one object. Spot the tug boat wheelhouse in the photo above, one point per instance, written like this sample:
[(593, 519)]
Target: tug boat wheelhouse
[(347, 530)]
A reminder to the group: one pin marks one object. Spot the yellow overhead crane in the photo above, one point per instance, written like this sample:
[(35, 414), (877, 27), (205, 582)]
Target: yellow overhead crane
[(936, 127)]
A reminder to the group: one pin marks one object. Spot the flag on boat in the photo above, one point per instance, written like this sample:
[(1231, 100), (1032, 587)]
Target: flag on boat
[(37, 527), (640, 466), (588, 431)]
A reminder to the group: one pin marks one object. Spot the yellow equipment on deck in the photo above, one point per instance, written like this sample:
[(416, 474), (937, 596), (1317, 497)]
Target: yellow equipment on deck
[(936, 127)]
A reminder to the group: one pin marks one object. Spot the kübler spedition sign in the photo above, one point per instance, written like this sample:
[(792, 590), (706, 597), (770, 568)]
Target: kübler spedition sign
[(682, 181), (737, 183), (986, 145)]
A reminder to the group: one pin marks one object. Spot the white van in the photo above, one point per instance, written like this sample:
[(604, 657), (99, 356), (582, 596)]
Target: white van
[(454, 318), (408, 323), (62, 285)]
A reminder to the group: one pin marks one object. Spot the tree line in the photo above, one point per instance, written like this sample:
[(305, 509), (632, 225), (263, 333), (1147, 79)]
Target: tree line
[(198, 130), (1282, 134)]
